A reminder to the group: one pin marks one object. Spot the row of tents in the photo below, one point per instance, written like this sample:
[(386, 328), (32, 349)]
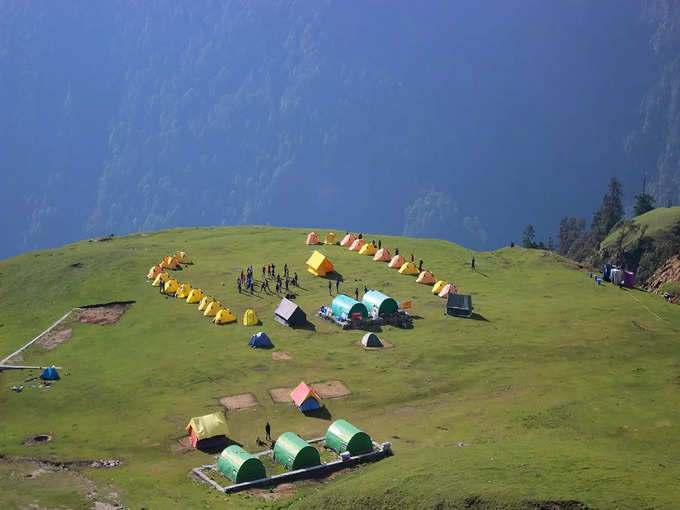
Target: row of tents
[(206, 304), (290, 450), (170, 262)]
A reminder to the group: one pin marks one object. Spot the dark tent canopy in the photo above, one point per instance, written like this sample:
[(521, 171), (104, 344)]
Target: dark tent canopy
[(459, 305), (289, 314)]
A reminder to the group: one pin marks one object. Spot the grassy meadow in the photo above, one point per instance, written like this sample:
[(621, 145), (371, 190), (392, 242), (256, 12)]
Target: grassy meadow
[(562, 390)]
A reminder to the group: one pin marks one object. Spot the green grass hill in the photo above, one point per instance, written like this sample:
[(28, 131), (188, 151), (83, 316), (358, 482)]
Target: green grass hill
[(560, 391), (657, 221)]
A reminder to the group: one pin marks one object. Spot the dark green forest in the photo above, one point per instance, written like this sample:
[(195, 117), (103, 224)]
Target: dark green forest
[(459, 120)]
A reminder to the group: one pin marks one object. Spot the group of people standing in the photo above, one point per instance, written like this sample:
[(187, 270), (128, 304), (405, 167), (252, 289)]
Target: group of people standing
[(247, 280)]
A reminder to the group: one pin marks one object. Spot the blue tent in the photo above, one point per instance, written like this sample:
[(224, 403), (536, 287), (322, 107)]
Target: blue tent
[(50, 374), (260, 340)]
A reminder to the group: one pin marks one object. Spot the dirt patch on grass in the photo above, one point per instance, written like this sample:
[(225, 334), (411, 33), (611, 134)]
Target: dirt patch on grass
[(238, 402), (54, 338), (183, 445), (281, 395), (331, 389), (662, 423), (283, 490), (281, 355), (109, 313), (386, 345), (38, 439)]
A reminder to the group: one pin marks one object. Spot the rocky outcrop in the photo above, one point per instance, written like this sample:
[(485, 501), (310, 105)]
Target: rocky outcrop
[(668, 272)]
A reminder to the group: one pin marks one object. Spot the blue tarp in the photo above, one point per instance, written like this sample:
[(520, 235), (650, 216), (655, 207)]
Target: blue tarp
[(260, 340), (50, 374)]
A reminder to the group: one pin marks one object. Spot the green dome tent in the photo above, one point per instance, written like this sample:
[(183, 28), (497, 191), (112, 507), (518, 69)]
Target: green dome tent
[(239, 465), (294, 452), (345, 306), (342, 436), (383, 303)]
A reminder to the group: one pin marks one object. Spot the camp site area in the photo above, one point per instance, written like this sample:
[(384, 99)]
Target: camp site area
[(555, 392)]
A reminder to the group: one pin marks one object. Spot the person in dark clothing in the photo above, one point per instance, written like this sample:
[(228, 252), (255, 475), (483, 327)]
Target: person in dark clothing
[(473, 263), (295, 279), (356, 293), (411, 257), (330, 287), (379, 244), (287, 280), (263, 273), (365, 289), (396, 251), (361, 236), (512, 244), (238, 284), (285, 270), (268, 431), (420, 265)]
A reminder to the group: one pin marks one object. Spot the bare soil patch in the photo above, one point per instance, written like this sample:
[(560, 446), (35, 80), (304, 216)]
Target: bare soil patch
[(386, 345), (281, 395), (281, 355), (238, 402), (38, 439), (103, 315), (331, 389), (54, 338), (283, 490), (183, 445)]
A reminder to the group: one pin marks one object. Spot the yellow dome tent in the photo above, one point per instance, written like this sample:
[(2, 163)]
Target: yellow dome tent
[(439, 286), (183, 291), (212, 309), (182, 257), (161, 278), (382, 255), (153, 272), (224, 316), (195, 296), (318, 264), (408, 268), (426, 277), (171, 286), (368, 249), (330, 238), (250, 318), (204, 303), (396, 262)]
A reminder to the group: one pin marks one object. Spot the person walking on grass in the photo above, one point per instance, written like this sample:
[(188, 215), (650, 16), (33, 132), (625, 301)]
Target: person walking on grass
[(263, 273), (330, 287), (379, 244), (268, 431), (287, 280), (473, 264), (238, 284), (420, 265), (295, 279), (411, 257), (356, 293)]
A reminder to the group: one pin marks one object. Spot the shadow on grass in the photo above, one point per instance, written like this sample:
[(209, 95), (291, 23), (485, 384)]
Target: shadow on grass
[(307, 326), (322, 413), (215, 444), (478, 317), (480, 273)]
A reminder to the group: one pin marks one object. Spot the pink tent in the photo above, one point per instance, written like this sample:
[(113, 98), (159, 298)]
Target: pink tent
[(312, 238), (449, 288), (357, 244), (348, 240)]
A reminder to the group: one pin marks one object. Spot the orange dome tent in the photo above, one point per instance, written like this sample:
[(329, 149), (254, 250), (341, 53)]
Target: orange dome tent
[(396, 262), (153, 272), (382, 255), (348, 240), (170, 262), (426, 277)]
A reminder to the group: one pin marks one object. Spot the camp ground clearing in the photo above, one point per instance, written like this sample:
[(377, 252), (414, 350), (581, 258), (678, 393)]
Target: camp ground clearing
[(556, 389)]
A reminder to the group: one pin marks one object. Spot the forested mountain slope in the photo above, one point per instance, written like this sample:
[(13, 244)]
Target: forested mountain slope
[(455, 120)]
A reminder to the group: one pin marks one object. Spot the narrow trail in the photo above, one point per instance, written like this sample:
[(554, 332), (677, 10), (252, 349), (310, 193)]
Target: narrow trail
[(56, 323)]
